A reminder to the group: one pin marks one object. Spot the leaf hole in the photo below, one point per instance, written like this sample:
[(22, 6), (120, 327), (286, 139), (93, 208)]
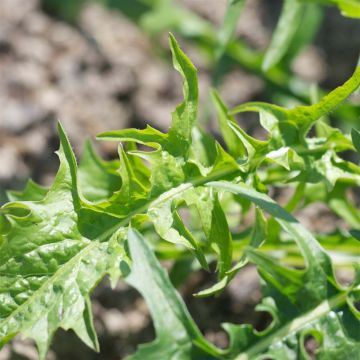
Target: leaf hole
[(311, 344), (264, 321), (357, 305), (318, 218), (185, 215), (219, 338), (143, 147), (345, 276), (122, 320), (236, 304)]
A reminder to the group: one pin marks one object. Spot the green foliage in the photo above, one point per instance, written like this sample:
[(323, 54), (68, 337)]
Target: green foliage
[(177, 335), (56, 244), (349, 8), (230, 21), (47, 266), (355, 135), (286, 28)]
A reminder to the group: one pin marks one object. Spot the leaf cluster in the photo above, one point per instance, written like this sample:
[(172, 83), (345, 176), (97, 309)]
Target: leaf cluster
[(56, 244)]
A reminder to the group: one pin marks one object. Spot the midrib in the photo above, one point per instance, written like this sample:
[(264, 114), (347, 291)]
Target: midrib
[(195, 182), (70, 264)]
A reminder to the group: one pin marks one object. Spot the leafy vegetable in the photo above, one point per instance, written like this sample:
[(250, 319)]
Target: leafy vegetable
[(56, 244), (48, 268)]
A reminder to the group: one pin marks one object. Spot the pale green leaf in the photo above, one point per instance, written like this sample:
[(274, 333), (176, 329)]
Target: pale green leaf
[(177, 335), (232, 15), (32, 192), (185, 115), (235, 147), (148, 136), (285, 31), (350, 8)]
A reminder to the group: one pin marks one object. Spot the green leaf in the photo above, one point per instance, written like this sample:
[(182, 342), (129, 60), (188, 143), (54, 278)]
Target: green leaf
[(56, 244), (178, 140), (286, 157), (48, 268), (203, 153), (133, 193), (258, 236), (98, 179), (232, 14), (208, 156), (256, 149), (273, 118), (221, 237), (235, 147), (16, 210), (350, 8), (313, 254), (295, 123), (148, 136), (355, 233), (184, 231), (301, 301), (333, 328), (332, 168), (306, 31), (166, 170), (355, 136), (32, 192), (285, 31), (165, 221), (185, 115), (334, 139), (177, 335), (165, 15)]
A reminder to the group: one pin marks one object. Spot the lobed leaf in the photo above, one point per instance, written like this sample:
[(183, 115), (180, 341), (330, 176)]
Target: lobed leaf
[(325, 311), (48, 268), (56, 244), (184, 117), (97, 179), (32, 192)]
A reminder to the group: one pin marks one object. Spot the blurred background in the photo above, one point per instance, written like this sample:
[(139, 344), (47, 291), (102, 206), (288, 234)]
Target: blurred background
[(99, 65)]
